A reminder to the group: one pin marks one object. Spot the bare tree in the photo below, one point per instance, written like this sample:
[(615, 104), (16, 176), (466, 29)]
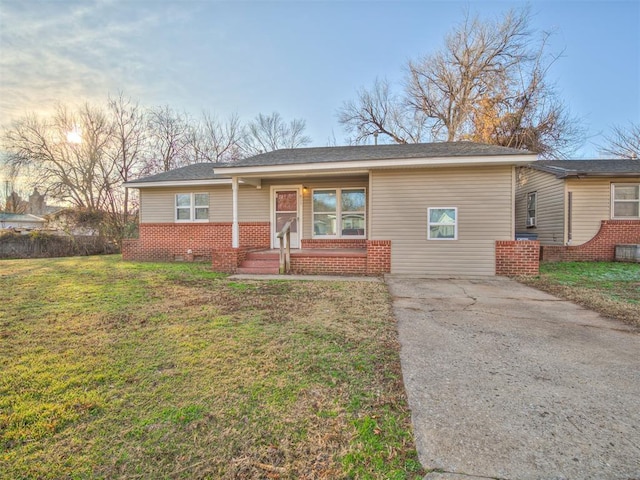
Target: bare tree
[(477, 56), (488, 83), (127, 153), (377, 111), (270, 132), (66, 154), (169, 132), (623, 142), (212, 140)]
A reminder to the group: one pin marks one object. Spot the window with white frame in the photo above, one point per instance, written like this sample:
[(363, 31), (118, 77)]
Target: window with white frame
[(625, 200), (192, 207), (532, 207), (442, 223), (339, 212)]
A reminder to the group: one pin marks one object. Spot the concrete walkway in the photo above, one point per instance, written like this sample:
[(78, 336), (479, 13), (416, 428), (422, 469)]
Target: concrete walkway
[(507, 382)]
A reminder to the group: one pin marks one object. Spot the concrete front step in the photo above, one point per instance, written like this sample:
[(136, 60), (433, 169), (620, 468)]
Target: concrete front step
[(259, 270)]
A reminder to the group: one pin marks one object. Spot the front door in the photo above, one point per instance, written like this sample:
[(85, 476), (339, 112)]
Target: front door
[(286, 206)]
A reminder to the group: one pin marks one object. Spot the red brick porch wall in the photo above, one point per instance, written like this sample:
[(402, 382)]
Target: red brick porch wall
[(516, 258), (602, 247), (334, 243), (337, 264), (378, 257), (375, 261), (227, 260), (173, 241)]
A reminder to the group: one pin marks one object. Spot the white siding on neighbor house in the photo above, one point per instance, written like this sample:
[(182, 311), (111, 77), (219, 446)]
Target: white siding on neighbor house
[(591, 204), (550, 221), (484, 197)]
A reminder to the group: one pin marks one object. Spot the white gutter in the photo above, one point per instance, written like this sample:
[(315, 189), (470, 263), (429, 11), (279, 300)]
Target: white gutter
[(179, 183)]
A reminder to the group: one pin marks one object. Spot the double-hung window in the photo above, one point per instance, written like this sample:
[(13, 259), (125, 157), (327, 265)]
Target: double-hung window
[(442, 223), (532, 207), (339, 212), (625, 200), (192, 207)]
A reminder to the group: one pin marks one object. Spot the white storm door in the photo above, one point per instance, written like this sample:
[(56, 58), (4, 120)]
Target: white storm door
[(286, 206)]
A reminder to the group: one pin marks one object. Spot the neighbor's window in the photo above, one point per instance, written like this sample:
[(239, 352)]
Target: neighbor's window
[(532, 206), (192, 207), (339, 212), (442, 223), (626, 200)]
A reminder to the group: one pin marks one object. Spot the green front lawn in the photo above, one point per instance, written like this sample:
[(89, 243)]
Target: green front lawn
[(111, 369), (611, 288)]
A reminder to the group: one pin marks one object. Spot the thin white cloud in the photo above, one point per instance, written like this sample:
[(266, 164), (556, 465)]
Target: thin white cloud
[(73, 52)]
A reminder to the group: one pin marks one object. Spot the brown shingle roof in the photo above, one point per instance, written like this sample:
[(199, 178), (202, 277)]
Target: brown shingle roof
[(297, 156)]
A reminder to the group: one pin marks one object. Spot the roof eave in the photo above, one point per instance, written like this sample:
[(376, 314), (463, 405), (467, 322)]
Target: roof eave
[(367, 165), (562, 173), (602, 174), (178, 183)]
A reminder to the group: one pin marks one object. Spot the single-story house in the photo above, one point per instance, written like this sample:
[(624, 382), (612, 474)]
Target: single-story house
[(432, 209), (579, 209), (20, 221)]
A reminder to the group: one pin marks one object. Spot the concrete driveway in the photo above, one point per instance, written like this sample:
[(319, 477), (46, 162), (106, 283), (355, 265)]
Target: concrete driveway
[(508, 382)]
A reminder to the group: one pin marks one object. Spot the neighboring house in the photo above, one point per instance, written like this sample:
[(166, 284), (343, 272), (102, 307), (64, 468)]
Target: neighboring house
[(20, 221), (579, 209), (432, 209)]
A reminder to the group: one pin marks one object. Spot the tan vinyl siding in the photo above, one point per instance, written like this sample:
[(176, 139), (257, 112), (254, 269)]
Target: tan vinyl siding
[(157, 205), (550, 212), (483, 196), (591, 204), (253, 204)]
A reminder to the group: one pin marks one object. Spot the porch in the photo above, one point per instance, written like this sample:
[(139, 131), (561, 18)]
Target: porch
[(314, 261), (369, 257)]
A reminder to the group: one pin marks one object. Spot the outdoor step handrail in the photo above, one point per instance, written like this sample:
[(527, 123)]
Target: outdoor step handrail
[(284, 237)]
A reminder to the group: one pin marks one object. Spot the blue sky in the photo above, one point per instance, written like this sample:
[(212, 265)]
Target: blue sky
[(300, 58)]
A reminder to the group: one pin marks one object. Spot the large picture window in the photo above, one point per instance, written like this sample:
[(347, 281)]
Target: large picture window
[(625, 200), (339, 212), (442, 223), (192, 207)]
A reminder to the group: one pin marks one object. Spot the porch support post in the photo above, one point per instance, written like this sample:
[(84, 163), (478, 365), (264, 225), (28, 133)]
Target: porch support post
[(235, 228)]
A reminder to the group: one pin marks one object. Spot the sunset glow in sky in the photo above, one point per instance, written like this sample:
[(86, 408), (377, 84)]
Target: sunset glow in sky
[(300, 58)]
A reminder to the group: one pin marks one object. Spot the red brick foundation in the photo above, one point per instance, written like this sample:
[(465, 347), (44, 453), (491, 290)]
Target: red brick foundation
[(601, 248), (516, 258), (191, 241), (212, 242)]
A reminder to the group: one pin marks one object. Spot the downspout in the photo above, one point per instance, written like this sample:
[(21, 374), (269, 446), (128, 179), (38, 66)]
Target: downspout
[(235, 228), (514, 180)]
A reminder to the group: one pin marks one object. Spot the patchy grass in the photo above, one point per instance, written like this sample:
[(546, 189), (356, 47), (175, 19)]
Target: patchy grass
[(112, 369), (611, 288)]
